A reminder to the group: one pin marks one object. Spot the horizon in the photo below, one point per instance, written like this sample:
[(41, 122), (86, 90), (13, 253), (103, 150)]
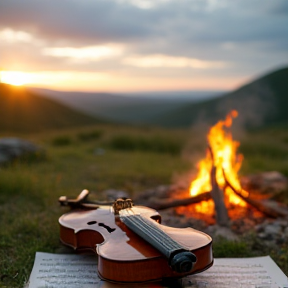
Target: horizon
[(172, 95), (24, 80), (208, 92), (142, 92), (146, 46)]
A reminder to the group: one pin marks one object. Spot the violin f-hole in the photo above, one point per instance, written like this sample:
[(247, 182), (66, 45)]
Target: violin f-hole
[(109, 229), (91, 222)]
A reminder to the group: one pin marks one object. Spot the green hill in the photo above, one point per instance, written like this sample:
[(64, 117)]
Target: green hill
[(133, 108), (24, 111), (261, 103)]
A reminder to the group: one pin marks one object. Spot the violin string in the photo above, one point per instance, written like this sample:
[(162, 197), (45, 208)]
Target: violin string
[(151, 232)]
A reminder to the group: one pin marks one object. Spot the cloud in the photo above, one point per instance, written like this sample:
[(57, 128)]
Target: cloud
[(77, 22), (175, 37), (10, 35), (158, 60), (90, 53), (87, 22)]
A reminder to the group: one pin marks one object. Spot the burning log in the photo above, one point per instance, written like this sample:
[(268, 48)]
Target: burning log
[(268, 207), (217, 194), (159, 204)]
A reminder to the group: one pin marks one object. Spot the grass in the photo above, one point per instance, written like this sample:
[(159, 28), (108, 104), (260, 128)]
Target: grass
[(29, 190), (149, 144), (267, 150)]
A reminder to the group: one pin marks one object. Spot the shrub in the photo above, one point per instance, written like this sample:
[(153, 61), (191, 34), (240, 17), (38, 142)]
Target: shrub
[(223, 248), (61, 141), (265, 150), (140, 143), (88, 136)]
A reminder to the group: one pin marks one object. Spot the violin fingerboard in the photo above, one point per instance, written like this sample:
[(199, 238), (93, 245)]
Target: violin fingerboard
[(150, 231)]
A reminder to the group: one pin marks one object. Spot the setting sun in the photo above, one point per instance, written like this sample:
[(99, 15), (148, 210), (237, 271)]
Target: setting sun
[(15, 78)]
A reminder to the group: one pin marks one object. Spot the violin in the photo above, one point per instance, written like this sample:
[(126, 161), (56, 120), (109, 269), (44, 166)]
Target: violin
[(131, 243)]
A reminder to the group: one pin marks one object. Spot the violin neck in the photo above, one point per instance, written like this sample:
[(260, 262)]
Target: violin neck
[(150, 231)]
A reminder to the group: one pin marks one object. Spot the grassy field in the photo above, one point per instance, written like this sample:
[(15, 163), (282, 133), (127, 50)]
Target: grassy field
[(111, 157)]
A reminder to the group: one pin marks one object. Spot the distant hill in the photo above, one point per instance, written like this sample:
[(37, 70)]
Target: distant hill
[(24, 111), (138, 108), (261, 103)]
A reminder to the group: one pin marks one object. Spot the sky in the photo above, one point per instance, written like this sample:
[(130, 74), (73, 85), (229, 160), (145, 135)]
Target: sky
[(141, 45)]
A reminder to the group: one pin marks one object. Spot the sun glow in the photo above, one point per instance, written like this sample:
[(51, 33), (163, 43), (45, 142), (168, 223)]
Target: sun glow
[(15, 78)]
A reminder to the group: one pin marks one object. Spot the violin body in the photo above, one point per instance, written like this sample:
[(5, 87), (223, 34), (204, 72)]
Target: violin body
[(123, 256)]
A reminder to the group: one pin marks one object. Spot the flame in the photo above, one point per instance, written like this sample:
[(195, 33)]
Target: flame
[(222, 154)]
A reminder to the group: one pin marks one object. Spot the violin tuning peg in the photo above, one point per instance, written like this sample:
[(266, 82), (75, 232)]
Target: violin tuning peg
[(120, 204), (129, 203), (82, 196)]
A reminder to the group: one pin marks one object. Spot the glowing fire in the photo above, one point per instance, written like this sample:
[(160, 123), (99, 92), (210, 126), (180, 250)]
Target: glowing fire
[(222, 154)]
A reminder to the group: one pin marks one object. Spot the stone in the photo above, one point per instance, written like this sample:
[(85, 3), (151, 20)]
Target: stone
[(216, 231), (281, 222), (271, 182), (14, 148), (285, 233), (259, 228), (272, 229)]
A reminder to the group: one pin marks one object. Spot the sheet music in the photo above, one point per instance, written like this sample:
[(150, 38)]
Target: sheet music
[(74, 271), (64, 271), (258, 272)]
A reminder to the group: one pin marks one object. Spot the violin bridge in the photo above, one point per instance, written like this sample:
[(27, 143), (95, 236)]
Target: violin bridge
[(121, 204)]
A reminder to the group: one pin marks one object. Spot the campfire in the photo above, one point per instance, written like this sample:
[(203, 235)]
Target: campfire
[(220, 164), (216, 192)]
